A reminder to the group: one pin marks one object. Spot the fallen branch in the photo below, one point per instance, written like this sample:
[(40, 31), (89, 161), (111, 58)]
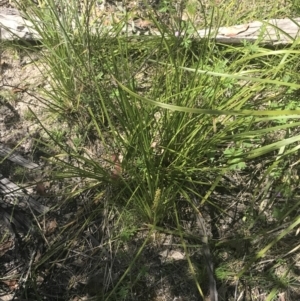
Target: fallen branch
[(268, 32)]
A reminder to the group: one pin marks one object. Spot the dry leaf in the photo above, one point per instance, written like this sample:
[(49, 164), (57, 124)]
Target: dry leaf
[(40, 189), (8, 297), (51, 227), (18, 90), (185, 16), (153, 144), (5, 246), (143, 23), (11, 283), (171, 255), (233, 30), (117, 166)]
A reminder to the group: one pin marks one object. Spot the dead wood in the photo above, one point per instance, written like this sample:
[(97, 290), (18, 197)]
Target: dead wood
[(267, 32)]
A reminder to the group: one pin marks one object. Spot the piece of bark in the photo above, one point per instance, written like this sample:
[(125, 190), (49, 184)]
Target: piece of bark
[(13, 195), (13, 156), (14, 27)]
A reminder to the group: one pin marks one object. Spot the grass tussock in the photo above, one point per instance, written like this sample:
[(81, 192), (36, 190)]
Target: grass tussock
[(152, 131)]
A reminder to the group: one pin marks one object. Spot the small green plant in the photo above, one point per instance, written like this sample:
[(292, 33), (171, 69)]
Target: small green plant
[(28, 115), (58, 135), (123, 292), (7, 96), (127, 234), (234, 163), (166, 6)]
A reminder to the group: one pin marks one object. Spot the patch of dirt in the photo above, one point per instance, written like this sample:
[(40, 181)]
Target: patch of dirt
[(20, 80)]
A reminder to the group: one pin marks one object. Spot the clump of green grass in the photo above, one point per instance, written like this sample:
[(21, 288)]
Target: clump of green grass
[(171, 119)]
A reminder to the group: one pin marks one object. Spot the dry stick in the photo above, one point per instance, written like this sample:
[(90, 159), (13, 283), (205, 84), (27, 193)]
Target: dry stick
[(116, 173), (13, 156), (213, 293), (23, 280)]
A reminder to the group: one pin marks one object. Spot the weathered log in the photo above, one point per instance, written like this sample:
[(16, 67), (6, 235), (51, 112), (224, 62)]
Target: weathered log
[(268, 32), (11, 155), (12, 194), (14, 27)]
